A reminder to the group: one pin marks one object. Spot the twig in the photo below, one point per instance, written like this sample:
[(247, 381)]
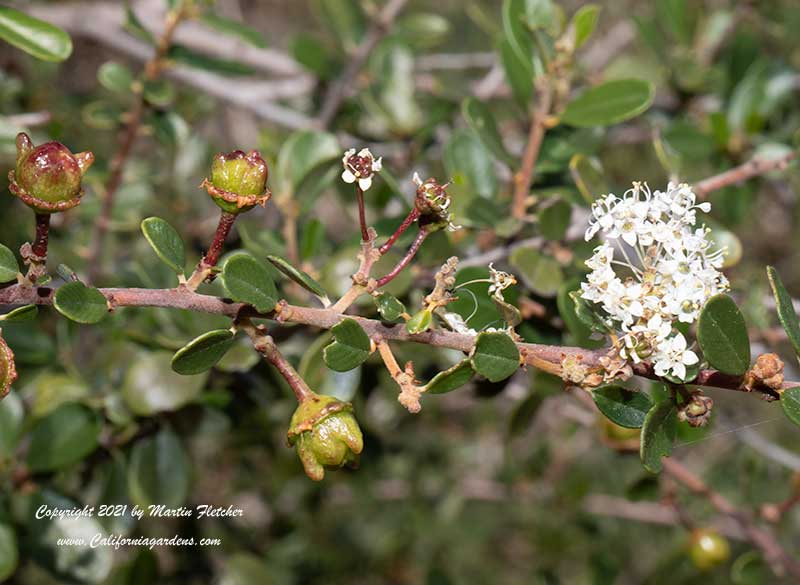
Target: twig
[(152, 71), (338, 90), (412, 251), (752, 168), (546, 357), (780, 560), (209, 261), (42, 233), (362, 219), (409, 390), (524, 177), (412, 216)]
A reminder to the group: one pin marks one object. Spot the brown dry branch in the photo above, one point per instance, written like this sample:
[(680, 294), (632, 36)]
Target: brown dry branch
[(752, 168)]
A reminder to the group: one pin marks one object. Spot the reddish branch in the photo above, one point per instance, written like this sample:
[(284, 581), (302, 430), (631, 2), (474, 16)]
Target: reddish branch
[(152, 71), (524, 177), (362, 219), (39, 247), (752, 168), (404, 261), (410, 218), (223, 229)]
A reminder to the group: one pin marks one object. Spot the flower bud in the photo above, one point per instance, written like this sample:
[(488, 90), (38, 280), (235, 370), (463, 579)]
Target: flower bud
[(48, 177), (325, 434), (238, 181)]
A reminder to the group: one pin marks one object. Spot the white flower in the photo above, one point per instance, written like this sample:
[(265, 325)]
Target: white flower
[(673, 357), (360, 167), (653, 270)]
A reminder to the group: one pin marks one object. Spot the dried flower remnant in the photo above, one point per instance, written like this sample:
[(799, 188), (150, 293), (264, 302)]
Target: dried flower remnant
[(697, 411), (767, 371), (654, 270), (499, 281), (360, 167), (433, 203)]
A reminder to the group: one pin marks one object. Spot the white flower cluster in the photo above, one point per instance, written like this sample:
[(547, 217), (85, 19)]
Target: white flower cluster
[(655, 269)]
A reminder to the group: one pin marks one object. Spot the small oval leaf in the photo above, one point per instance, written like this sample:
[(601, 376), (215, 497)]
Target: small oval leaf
[(9, 553), (722, 335), (36, 37), (202, 353), (481, 120), (9, 268), (81, 303), (159, 471), (21, 314), (351, 346), (115, 77), (166, 242), (658, 435), (495, 356), (389, 307), (790, 401), (63, 437), (300, 277), (236, 29), (247, 281), (622, 406), (785, 308), (609, 103), (451, 379)]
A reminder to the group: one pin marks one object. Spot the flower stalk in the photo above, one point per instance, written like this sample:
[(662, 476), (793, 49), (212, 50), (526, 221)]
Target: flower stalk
[(405, 260)]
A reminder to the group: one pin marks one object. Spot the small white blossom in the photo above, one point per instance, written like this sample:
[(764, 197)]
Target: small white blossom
[(360, 167), (653, 270), (499, 281)]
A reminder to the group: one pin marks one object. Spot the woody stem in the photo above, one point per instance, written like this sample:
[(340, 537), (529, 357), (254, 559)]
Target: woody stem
[(412, 251), (223, 229), (42, 232), (412, 216)]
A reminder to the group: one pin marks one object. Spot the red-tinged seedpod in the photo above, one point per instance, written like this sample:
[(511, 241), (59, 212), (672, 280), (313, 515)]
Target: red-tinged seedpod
[(238, 181)]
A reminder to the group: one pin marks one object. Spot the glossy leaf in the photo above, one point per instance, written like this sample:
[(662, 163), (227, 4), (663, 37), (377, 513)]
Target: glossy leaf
[(202, 353), (540, 273), (234, 28), (790, 402), (63, 437), (465, 157), (722, 335), (568, 310), (159, 92), (584, 22), (419, 322), (481, 120), (166, 242), (300, 277), (36, 37), (150, 386), (495, 356), (247, 281), (588, 176), (300, 154), (621, 406), (350, 348), (9, 268), (9, 553), (115, 77), (519, 75), (21, 314), (658, 435), (80, 303), (554, 219), (186, 56), (785, 308), (159, 471), (389, 307), (451, 379), (609, 103), (12, 416)]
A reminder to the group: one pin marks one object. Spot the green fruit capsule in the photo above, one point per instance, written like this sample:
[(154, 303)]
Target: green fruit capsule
[(325, 434), (48, 177), (708, 549), (238, 181)]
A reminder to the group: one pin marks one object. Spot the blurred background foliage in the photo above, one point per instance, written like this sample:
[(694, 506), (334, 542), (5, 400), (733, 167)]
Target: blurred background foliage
[(495, 483)]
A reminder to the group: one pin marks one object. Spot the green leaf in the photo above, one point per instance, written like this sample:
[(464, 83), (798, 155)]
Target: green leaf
[(790, 402), (12, 415), (235, 28), (518, 74), (21, 314), (203, 352), (584, 22), (622, 406), (588, 176), (423, 30), (63, 437), (9, 268), (150, 386), (159, 92), (568, 309), (115, 77), (481, 120), (344, 18), (524, 414), (80, 303), (166, 242), (247, 281), (312, 54), (495, 356), (300, 277), (517, 33), (465, 157), (419, 322), (159, 471), (389, 307), (540, 273), (134, 26), (186, 56), (785, 308), (451, 379), (609, 103), (36, 37), (554, 219), (539, 13), (9, 553), (350, 348), (658, 435), (301, 153), (722, 335)]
